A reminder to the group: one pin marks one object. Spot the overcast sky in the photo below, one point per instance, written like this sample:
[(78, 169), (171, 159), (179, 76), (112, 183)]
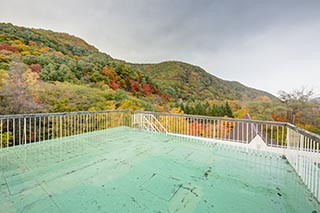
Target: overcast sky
[(270, 45)]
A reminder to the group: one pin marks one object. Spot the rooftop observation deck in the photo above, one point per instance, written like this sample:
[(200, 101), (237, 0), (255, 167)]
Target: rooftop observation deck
[(120, 161)]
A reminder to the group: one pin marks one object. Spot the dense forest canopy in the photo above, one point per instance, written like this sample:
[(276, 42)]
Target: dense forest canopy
[(45, 71)]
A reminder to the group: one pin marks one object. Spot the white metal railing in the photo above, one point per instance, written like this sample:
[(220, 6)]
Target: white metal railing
[(303, 153), (300, 147), (28, 128)]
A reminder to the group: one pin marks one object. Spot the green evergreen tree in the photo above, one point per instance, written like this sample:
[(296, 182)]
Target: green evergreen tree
[(199, 109), (187, 108), (206, 108), (227, 110)]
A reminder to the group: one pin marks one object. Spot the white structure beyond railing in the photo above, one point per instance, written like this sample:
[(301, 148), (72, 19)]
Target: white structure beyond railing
[(299, 147)]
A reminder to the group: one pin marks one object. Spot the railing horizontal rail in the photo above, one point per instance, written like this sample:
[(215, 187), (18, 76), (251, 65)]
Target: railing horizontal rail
[(59, 114), (304, 132), (213, 118)]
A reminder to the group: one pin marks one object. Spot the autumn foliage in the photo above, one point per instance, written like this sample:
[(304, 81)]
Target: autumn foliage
[(147, 89), (113, 85), (8, 47), (36, 68)]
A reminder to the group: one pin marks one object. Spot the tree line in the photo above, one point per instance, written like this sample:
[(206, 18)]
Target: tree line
[(206, 109)]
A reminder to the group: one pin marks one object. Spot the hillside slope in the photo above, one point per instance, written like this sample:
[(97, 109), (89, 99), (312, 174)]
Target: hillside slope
[(190, 82), (59, 68)]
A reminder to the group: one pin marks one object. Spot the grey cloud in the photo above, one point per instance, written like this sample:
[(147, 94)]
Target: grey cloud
[(226, 37)]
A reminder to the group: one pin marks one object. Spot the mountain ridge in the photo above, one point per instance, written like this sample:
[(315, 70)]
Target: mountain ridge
[(60, 57)]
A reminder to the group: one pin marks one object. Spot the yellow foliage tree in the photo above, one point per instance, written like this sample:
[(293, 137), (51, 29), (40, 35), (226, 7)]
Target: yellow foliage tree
[(110, 73)]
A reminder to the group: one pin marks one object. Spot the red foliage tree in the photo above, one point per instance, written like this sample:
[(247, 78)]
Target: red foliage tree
[(165, 96), (147, 89), (36, 68), (8, 47), (136, 86), (113, 85)]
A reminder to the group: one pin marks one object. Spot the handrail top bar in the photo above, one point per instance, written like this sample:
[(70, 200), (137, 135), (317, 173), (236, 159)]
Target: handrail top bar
[(213, 118), (60, 114), (311, 135)]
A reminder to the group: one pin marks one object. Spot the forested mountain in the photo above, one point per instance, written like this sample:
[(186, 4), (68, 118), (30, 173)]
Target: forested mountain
[(60, 72)]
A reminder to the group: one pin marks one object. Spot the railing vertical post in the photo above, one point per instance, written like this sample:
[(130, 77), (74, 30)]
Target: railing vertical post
[(39, 129), (301, 142), (288, 137), (1, 130), (90, 125), (35, 129), (233, 131), (299, 157), (75, 123), (178, 125), (277, 136), (309, 164), (87, 123), (76, 126), (8, 133), (304, 172), (252, 132), (25, 130), (225, 130), (174, 124), (13, 131), (267, 134), (214, 128), (313, 168), (60, 117), (53, 123), (29, 130), (81, 123), (318, 176), (43, 129), (271, 136), (105, 120), (206, 128), (19, 132), (247, 138), (65, 125), (166, 122), (187, 125), (84, 123), (237, 136)]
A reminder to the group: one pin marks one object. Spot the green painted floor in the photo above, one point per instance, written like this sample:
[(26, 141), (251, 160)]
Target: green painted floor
[(127, 170)]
